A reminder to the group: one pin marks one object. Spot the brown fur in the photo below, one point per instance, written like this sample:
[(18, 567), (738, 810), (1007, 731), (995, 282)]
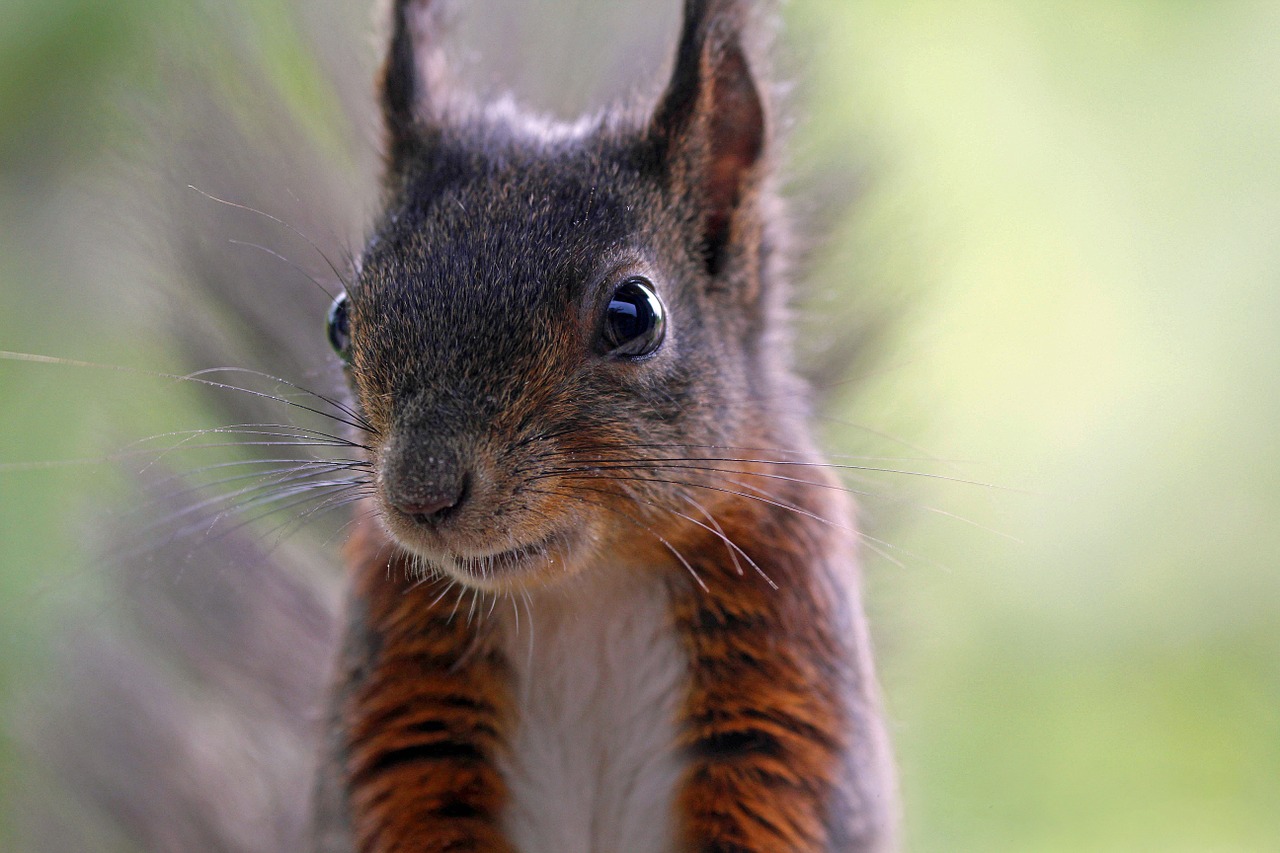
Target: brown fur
[(421, 711), (787, 751), (474, 361)]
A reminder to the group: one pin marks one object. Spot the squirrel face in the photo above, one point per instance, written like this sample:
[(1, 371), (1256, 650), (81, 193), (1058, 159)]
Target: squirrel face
[(542, 310)]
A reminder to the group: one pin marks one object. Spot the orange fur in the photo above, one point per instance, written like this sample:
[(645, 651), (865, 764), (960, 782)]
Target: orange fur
[(422, 712)]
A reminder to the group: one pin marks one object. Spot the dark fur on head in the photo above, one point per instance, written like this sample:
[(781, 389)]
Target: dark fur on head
[(475, 317)]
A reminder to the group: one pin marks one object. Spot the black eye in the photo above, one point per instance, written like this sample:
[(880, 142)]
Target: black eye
[(635, 321), (340, 328)]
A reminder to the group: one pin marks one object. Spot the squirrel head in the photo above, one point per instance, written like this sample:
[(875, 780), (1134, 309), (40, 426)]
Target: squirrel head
[(545, 311)]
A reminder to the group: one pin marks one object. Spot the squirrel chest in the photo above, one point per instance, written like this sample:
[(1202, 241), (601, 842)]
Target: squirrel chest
[(599, 680)]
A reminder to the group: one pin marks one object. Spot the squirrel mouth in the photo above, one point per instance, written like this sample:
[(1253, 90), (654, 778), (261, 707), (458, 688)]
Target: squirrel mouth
[(544, 556), (494, 563)]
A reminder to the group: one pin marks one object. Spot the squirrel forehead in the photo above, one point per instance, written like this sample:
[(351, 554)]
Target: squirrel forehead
[(499, 250), (512, 210)]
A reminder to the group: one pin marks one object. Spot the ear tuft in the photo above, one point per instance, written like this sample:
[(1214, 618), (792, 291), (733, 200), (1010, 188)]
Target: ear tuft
[(410, 76), (710, 126)]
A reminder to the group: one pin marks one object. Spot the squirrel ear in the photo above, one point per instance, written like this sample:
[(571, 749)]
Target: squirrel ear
[(710, 123), (411, 74)]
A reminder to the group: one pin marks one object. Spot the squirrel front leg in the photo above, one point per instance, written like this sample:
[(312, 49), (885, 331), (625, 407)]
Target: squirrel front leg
[(781, 725), (421, 708)]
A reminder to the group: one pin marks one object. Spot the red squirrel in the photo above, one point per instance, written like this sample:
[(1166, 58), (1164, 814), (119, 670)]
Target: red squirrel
[(603, 595), (602, 591)]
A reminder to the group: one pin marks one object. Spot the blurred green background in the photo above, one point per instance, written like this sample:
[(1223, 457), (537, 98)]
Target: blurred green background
[(1072, 211)]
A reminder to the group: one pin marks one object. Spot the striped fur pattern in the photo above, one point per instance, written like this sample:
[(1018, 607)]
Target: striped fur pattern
[(774, 742), (713, 692), (421, 709), (786, 748)]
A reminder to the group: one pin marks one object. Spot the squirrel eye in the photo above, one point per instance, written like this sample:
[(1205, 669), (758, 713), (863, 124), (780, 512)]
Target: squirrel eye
[(340, 328), (635, 321)]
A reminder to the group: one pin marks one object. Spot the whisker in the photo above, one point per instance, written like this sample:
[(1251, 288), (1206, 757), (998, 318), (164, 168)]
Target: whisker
[(915, 448), (297, 464), (461, 592), (452, 583), (424, 574), (545, 436), (881, 553), (706, 486), (278, 221), (528, 612), (646, 465), (873, 543), (356, 518), (242, 500), (840, 487), (273, 492), (328, 503), (863, 537), (296, 266), (675, 462), (732, 546), (924, 457), (359, 420), (208, 535), (342, 245), (269, 479), (284, 464), (136, 449), (308, 492), (737, 565), (684, 562), (286, 477), (196, 379), (263, 429)]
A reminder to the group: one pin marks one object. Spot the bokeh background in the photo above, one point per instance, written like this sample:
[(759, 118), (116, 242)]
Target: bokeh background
[(1058, 226)]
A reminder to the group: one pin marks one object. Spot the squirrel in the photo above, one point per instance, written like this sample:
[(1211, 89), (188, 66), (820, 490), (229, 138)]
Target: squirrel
[(567, 351), (602, 591)]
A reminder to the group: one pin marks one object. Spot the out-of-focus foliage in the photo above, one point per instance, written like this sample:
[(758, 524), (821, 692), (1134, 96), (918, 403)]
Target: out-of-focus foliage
[(1083, 199), (1074, 208)]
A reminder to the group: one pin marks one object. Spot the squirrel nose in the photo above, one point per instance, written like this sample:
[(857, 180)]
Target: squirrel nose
[(425, 483), (431, 502)]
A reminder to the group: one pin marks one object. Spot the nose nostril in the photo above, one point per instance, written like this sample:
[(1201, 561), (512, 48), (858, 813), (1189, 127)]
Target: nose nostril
[(433, 505)]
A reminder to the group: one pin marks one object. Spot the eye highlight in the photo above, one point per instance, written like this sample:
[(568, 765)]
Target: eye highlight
[(634, 321), (340, 328)]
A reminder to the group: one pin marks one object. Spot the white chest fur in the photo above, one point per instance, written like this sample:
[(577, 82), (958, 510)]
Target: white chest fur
[(600, 676)]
